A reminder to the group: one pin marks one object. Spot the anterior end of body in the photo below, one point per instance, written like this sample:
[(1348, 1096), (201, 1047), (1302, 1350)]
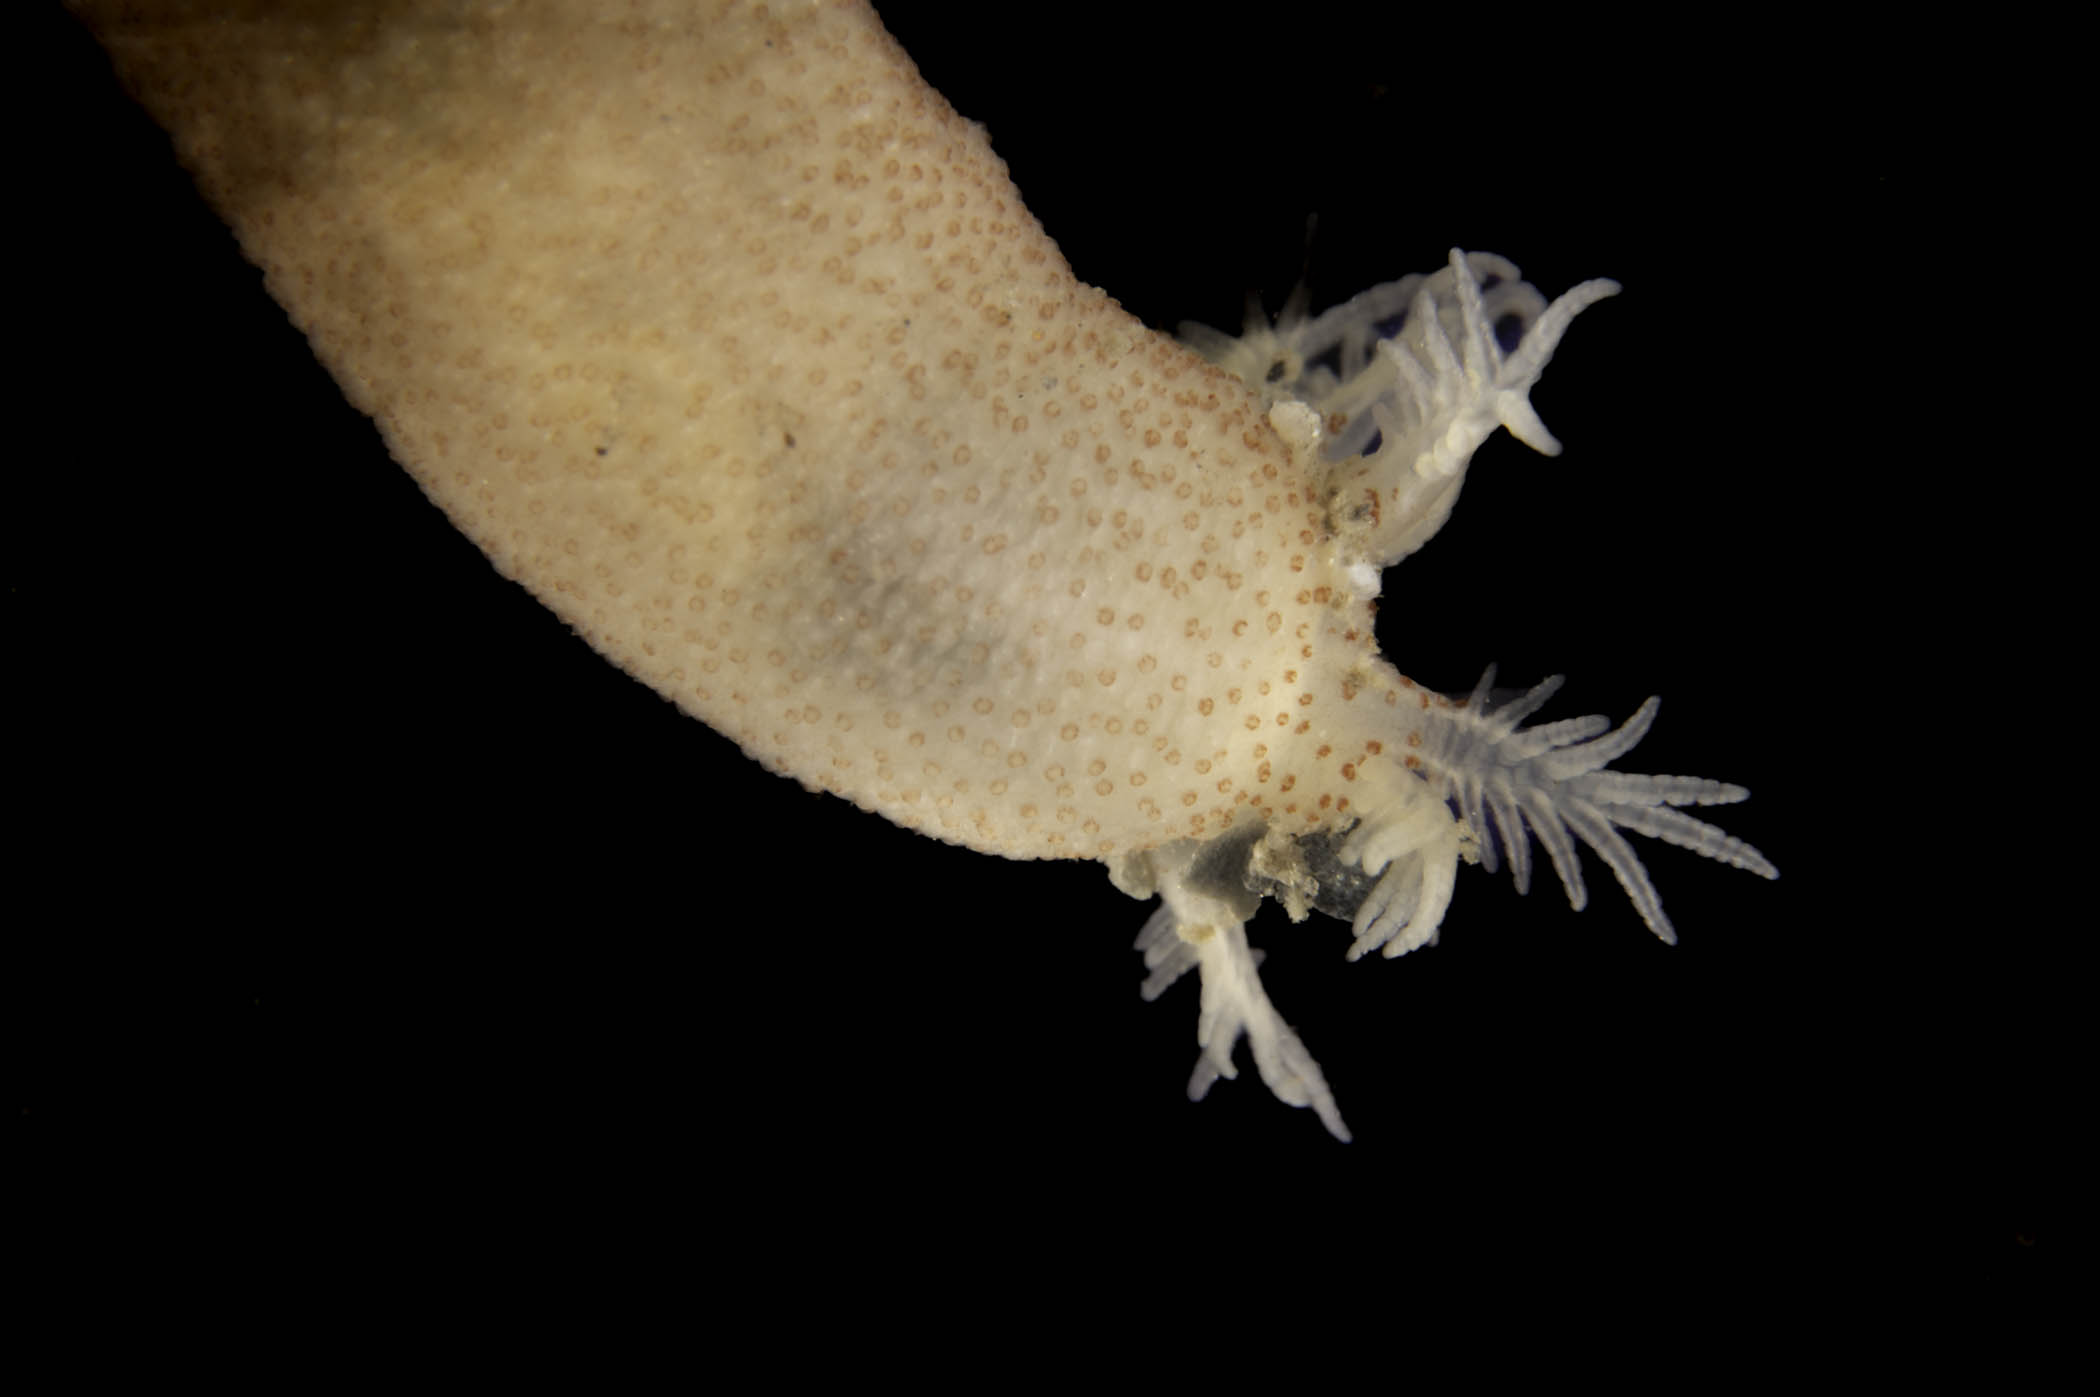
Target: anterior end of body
[(730, 340), (1431, 780)]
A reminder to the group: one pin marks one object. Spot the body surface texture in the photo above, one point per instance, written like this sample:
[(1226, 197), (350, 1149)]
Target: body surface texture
[(731, 341)]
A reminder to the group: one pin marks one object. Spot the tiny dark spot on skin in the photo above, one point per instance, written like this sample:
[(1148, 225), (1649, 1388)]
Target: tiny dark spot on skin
[(788, 437), (1276, 372), (601, 451)]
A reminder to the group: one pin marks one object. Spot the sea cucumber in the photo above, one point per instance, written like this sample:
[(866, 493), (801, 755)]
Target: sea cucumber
[(1397, 582)]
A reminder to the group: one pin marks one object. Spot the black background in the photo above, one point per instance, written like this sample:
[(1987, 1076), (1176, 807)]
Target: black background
[(343, 848)]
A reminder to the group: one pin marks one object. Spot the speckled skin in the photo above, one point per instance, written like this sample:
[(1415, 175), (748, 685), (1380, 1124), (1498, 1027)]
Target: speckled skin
[(729, 339), (721, 333)]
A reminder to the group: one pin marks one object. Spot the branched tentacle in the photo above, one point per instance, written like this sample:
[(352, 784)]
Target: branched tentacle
[(1421, 379), (1509, 783), (1396, 389), (1200, 925), (1410, 838)]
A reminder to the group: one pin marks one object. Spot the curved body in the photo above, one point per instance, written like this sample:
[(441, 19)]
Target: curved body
[(724, 335)]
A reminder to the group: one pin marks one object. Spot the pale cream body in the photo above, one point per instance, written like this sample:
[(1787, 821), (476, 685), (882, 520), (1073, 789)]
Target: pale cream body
[(724, 335), (731, 341)]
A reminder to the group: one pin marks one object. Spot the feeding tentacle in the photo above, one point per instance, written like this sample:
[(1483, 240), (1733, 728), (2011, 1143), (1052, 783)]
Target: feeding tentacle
[(1508, 782), (1409, 379), (1438, 390), (1201, 924)]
